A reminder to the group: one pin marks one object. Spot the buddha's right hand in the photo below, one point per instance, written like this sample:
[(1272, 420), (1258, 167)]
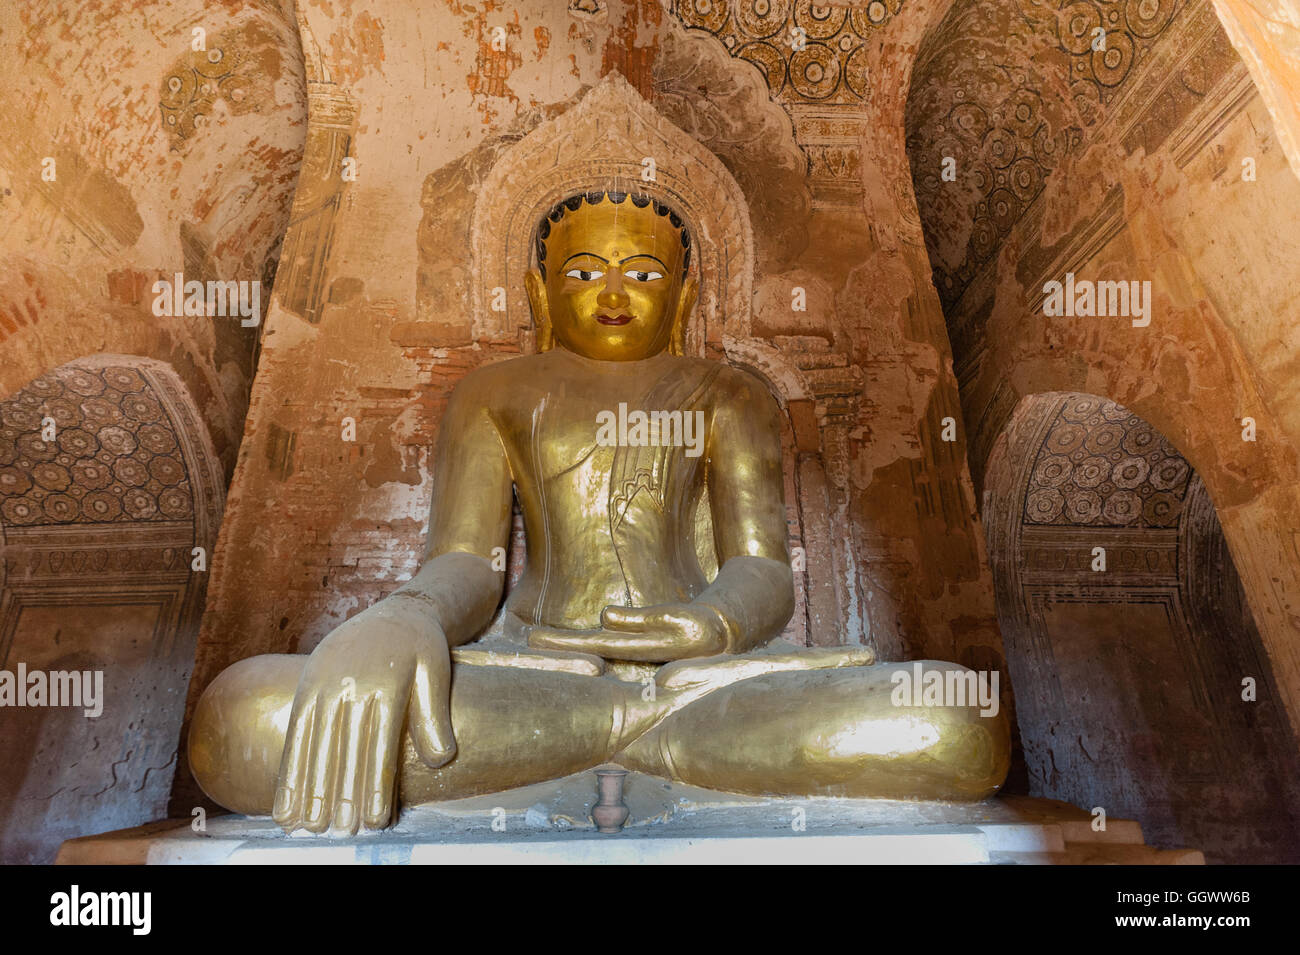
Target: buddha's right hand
[(387, 668)]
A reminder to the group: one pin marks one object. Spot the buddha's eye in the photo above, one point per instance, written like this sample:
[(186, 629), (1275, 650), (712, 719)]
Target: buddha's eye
[(636, 276), (583, 275)]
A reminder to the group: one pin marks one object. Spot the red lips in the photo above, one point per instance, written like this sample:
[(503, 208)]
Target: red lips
[(619, 319)]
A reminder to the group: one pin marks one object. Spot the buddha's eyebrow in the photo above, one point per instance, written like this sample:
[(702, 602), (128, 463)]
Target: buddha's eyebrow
[(590, 255), (601, 258), (643, 255)]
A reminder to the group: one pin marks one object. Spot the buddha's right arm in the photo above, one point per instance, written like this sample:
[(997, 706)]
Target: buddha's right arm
[(460, 592), (469, 521)]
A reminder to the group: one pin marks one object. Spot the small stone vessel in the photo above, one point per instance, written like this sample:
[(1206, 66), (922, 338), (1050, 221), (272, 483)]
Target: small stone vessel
[(609, 813)]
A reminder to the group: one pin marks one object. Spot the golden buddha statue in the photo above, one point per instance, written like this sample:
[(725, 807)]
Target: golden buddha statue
[(645, 627)]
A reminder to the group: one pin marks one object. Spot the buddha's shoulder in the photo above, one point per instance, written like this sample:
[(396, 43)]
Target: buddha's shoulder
[(737, 383), (720, 375), (724, 384), (492, 377), (516, 376)]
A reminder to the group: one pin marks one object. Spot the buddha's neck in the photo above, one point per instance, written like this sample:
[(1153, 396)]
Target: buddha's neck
[(595, 366)]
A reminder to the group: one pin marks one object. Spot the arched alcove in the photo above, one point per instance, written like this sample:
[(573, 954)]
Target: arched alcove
[(108, 484), (611, 136), (614, 137), (1037, 157), (1128, 636)]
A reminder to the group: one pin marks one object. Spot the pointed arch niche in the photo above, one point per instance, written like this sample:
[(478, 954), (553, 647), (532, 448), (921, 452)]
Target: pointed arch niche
[(1129, 679), (611, 136), (108, 482)]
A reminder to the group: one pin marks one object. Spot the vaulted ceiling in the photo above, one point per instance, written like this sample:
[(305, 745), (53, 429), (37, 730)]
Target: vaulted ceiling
[(1009, 89)]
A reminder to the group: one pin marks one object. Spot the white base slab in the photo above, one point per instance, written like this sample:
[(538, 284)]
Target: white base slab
[(550, 823)]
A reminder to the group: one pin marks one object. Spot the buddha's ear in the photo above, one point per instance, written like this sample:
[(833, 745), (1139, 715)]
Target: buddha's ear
[(685, 306), (536, 286)]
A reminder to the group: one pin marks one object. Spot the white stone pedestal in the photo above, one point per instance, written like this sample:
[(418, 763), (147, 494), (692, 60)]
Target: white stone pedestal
[(550, 823)]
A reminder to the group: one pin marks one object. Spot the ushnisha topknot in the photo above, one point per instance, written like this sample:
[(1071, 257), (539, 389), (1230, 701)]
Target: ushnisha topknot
[(639, 199)]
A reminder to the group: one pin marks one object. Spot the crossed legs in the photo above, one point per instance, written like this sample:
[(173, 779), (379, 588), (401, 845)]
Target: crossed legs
[(833, 732)]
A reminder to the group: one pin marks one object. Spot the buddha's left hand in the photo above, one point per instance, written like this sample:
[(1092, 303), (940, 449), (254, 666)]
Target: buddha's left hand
[(643, 634)]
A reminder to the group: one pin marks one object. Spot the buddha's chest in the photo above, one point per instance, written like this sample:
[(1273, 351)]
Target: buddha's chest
[(581, 440)]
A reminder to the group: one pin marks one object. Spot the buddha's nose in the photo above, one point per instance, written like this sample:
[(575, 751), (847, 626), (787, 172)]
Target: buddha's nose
[(612, 295)]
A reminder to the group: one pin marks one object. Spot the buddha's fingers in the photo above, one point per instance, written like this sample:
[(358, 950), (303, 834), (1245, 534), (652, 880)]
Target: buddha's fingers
[(322, 767), (557, 661), (723, 670), (673, 630), (630, 619), (429, 714), (609, 644), (381, 767), (581, 641), (288, 809), (354, 746)]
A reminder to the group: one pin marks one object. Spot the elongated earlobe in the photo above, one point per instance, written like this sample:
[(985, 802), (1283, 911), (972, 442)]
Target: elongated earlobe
[(677, 342), (536, 287), (685, 306)]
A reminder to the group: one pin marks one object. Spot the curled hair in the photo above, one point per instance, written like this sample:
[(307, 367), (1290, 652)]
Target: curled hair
[(638, 199)]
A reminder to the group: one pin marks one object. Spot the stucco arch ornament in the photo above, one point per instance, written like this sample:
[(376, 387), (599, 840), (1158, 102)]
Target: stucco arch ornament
[(612, 138)]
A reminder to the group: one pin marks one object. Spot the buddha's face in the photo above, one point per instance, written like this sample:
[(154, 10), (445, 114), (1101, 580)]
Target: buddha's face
[(614, 288)]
